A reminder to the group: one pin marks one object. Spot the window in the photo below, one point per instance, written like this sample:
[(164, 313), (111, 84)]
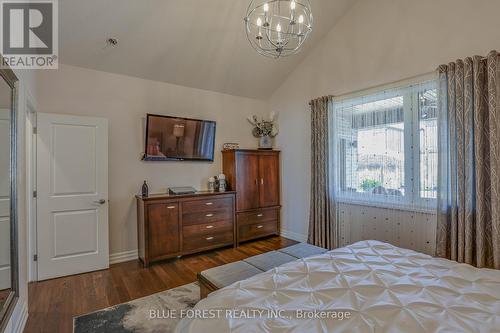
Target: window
[(385, 146)]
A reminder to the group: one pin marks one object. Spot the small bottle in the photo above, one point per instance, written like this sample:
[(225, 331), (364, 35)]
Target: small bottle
[(145, 189)]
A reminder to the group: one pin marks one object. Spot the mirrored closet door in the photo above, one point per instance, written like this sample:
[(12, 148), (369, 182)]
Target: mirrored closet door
[(8, 214)]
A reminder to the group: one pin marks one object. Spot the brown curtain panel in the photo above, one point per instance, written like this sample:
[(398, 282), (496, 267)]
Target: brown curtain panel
[(469, 164), (322, 218)]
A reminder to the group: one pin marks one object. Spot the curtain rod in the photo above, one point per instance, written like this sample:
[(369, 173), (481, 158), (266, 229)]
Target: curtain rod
[(389, 85), (483, 58)]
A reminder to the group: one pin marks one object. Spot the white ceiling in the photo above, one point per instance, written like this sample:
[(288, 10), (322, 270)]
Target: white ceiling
[(195, 43)]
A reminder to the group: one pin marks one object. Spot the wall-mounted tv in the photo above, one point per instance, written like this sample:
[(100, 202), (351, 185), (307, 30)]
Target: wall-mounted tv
[(178, 139)]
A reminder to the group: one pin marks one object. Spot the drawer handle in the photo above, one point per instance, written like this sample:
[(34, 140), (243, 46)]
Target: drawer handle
[(209, 215), (260, 215), (210, 226), (170, 207), (259, 227), (209, 203), (209, 238)]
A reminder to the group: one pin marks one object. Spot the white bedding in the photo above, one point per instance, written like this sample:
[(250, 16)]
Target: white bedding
[(384, 289)]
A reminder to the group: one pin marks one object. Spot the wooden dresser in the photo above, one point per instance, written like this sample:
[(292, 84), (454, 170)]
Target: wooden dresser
[(173, 225), (255, 176)]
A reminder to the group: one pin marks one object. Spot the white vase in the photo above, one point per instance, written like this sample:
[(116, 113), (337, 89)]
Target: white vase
[(265, 142)]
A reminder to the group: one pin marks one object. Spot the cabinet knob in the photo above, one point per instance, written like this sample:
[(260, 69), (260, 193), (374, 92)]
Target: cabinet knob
[(209, 215), (259, 227), (210, 226), (209, 238), (170, 207)]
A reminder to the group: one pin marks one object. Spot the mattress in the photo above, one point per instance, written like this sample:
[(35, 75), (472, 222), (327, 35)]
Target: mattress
[(368, 286)]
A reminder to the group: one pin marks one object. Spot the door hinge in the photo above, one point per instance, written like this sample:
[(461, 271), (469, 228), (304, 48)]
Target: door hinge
[(35, 130), (35, 257), (35, 194)]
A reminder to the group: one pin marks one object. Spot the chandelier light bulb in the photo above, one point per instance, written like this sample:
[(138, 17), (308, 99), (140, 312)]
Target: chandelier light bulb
[(259, 22), (301, 19), (278, 27), (292, 5), (266, 7)]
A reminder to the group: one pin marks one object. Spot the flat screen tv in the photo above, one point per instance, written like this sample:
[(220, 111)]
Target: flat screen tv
[(179, 139)]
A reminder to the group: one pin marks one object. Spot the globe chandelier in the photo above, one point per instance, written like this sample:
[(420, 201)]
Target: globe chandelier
[(278, 28)]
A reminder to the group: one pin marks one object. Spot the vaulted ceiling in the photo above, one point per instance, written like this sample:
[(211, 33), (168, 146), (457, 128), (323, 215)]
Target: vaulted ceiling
[(194, 43)]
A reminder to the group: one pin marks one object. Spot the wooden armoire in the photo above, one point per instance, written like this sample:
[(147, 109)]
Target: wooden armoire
[(255, 176)]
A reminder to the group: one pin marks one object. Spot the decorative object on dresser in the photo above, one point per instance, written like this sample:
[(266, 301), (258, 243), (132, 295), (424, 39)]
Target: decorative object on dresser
[(265, 130), (145, 189), (255, 176), (173, 225), (230, 146)]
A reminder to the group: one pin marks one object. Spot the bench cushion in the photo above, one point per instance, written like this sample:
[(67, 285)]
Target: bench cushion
[(269, 260), (225, 275), (302, 250)]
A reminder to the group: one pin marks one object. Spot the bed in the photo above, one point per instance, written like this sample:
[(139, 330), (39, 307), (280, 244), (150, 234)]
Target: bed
[(368, 286)]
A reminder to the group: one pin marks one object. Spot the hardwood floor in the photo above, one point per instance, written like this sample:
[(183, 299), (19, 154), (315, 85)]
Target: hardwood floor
[(54, 303)]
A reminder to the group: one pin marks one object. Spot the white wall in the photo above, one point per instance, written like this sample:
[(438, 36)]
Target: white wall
[(124, 101), (376, 42)]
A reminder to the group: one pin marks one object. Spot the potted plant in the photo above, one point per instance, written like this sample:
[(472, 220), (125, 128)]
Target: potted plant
[(264, 130)]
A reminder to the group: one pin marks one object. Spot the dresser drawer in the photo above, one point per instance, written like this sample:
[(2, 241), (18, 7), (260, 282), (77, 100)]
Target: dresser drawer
[(207, 241), (258, 215), (256, 230), (207, 228), (207, 204), (208, 216)]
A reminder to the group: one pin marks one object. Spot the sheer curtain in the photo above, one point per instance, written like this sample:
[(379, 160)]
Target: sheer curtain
[(384, 153)]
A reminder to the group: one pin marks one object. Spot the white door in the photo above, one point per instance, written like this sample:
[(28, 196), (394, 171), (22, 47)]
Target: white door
[(72, 186), (5, 277)]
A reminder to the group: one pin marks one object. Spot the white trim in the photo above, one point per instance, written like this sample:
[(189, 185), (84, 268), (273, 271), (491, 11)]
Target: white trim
[(294, 236), (30, 167), (115, 258), (18, 327)]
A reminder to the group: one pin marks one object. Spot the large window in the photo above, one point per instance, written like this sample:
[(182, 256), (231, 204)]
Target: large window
[(385, 146)]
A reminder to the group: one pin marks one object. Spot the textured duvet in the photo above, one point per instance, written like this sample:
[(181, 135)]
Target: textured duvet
[(368, 286)]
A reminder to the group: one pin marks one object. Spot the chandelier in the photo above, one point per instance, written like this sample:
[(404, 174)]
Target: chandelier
[(278, 28)]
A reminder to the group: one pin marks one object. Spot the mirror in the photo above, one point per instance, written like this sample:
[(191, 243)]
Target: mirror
[(8, 226)]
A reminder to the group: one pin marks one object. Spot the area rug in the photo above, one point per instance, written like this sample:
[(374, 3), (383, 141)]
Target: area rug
[(152, 314)]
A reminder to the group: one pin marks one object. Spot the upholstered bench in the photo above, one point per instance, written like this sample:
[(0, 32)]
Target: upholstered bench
[(222, 276)]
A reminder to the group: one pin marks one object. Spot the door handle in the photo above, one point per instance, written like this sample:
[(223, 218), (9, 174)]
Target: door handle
[(262, 181), (100, 202)]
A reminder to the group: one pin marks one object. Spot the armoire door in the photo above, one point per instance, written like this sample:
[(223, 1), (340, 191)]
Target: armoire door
[(247, 187), (269, 180)]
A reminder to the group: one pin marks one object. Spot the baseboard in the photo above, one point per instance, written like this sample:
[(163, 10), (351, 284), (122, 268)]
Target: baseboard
[(23, 318), (294, 236), (118, 257)]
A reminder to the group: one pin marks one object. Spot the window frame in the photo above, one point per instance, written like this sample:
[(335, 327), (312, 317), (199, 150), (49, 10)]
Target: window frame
[(412, 175)]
